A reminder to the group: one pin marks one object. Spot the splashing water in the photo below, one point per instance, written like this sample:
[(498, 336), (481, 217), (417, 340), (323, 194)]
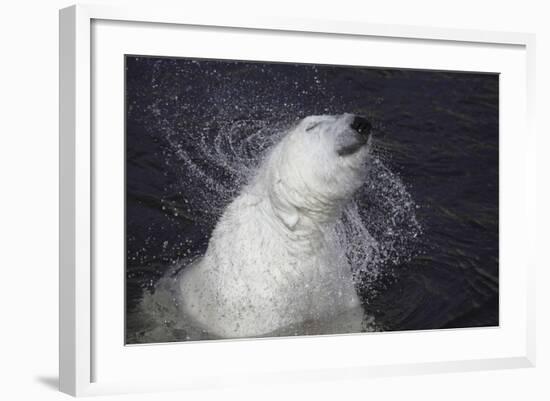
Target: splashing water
[(213, 157)]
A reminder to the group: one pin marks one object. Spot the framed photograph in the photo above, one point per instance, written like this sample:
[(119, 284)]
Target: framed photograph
[(295, 200)]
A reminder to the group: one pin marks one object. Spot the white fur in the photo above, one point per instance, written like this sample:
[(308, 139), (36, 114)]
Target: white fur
[(270, 266)]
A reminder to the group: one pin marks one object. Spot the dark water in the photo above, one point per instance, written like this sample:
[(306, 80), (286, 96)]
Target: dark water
[(197, 128)]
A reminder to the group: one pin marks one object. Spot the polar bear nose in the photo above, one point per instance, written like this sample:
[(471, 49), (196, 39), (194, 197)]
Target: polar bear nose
[(361, 126)]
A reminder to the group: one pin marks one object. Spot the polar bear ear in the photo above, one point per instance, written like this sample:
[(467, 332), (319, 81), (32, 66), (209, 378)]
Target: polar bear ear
[(289, 216), (284, 211)]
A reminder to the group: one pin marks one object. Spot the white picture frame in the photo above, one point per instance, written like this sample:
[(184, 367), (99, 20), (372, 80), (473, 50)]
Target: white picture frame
[(79, 344)]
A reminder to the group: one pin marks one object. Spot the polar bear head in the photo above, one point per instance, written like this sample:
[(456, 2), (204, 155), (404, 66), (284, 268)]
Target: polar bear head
[(316, 167)]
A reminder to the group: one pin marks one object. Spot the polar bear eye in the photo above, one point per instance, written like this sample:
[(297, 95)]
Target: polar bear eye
[(312, 126)]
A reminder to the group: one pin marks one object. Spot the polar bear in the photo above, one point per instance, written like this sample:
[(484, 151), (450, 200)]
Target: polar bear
[(270, 267)]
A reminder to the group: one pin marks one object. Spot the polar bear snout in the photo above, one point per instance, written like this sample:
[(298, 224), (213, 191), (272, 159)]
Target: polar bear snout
[(362, 126), (355, 137)]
